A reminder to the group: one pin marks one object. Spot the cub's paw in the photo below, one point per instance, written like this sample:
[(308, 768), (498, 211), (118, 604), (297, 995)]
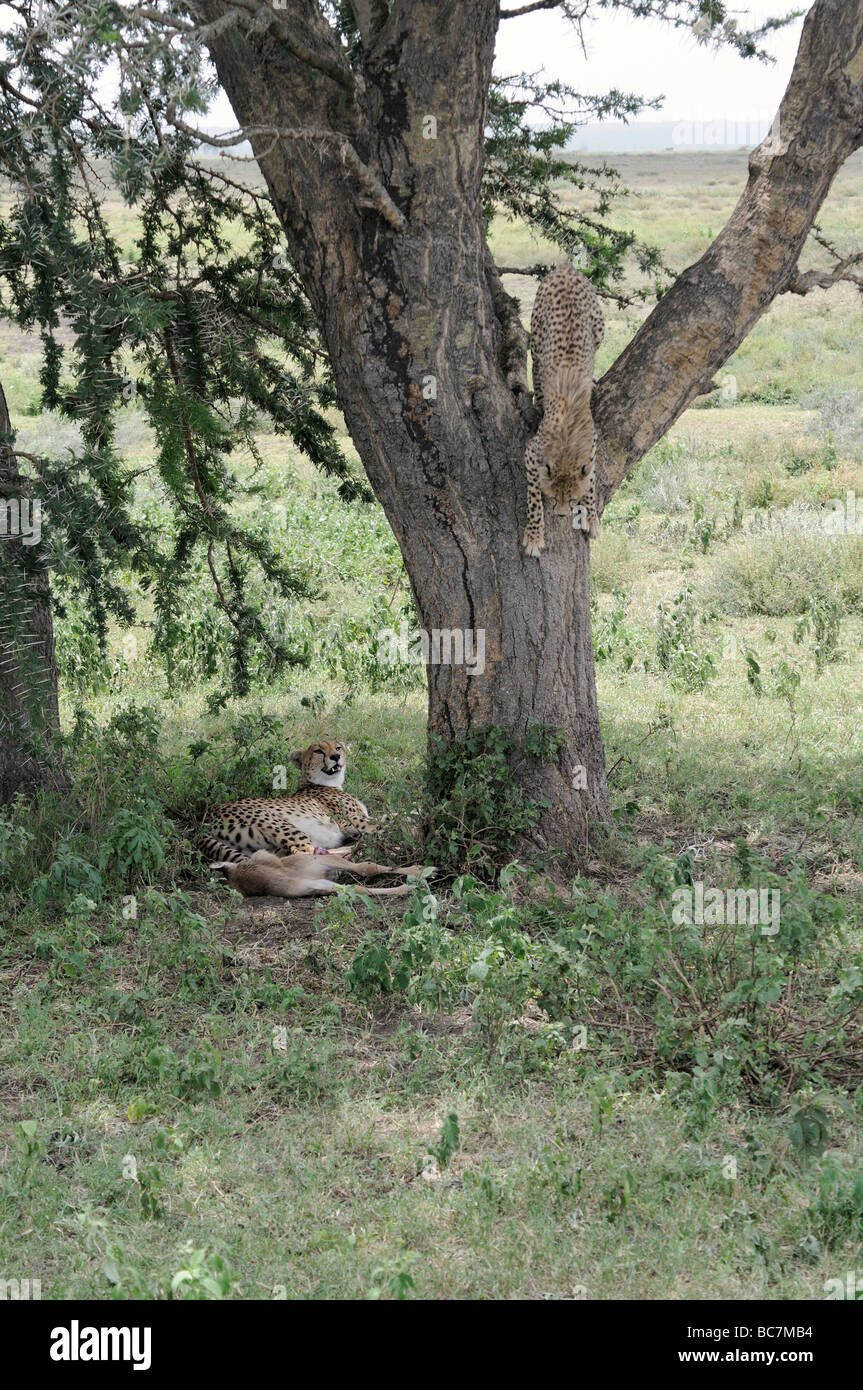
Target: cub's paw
[(593, 528), (533, 544)]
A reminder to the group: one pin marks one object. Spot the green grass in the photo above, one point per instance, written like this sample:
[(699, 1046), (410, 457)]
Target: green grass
[(325, 1197), (146, 1112)]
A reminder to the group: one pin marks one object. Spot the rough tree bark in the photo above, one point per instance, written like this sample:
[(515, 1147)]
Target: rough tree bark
[(29, 714), (375, 171)]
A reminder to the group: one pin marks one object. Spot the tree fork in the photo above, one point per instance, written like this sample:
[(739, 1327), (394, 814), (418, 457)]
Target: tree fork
[(428, 359)]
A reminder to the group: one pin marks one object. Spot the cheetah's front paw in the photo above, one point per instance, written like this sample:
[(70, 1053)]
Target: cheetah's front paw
[(533, 544), (585, 520)]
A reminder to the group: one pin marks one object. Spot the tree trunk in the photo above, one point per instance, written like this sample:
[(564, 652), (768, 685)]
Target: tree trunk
[(29, 714), (525, 624), (408, 316), (375, 169), (454, 493)]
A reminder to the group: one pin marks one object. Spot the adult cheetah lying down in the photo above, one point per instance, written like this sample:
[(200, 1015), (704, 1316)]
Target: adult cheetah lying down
[(277, 844), (566, 328)]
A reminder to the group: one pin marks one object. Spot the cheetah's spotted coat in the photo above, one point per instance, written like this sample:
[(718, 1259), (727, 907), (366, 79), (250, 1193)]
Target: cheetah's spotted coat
[(318, 816), (566, 328)]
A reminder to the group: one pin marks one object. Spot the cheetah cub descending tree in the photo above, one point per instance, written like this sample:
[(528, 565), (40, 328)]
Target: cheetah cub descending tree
[(566, 328)]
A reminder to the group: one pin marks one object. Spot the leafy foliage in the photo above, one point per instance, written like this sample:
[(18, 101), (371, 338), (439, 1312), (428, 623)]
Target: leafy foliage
[(199, 325), (680, 648), (526, 175), (477, 812)]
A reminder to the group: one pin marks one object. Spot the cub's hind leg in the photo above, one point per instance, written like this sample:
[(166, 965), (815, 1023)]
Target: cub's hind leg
[(533, 539)]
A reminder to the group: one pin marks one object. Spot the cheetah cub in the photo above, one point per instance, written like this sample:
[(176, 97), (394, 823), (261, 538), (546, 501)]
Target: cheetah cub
[(566, 328)]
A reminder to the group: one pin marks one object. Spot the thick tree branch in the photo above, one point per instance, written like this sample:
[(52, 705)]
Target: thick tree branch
[(283, 23), (712, 306)]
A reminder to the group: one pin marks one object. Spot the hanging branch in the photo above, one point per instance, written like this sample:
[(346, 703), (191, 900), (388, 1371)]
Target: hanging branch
[(377, 194)]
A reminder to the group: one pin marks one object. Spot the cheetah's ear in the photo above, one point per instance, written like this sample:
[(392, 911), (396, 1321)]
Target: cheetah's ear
[(296, 757)]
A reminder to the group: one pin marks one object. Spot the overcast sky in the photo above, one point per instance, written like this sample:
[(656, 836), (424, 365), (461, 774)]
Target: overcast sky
[(650, 58), (646, 57)]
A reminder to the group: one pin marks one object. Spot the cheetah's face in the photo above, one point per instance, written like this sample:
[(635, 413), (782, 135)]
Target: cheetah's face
[(565, 485), (323, 764)]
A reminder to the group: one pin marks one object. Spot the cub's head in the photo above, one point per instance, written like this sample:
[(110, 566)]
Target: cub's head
[(567, 437), (321, 764)]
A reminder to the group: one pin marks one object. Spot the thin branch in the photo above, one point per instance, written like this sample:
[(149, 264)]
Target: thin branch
[(299, 344), (218, 142), (821, 280), (223, 602), (169, 21), (188, 441), (375, 190), (529, 9), (825, 279)]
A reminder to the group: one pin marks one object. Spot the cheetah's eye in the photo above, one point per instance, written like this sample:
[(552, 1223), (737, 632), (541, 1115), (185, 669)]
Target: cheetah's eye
[(321, 751)]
